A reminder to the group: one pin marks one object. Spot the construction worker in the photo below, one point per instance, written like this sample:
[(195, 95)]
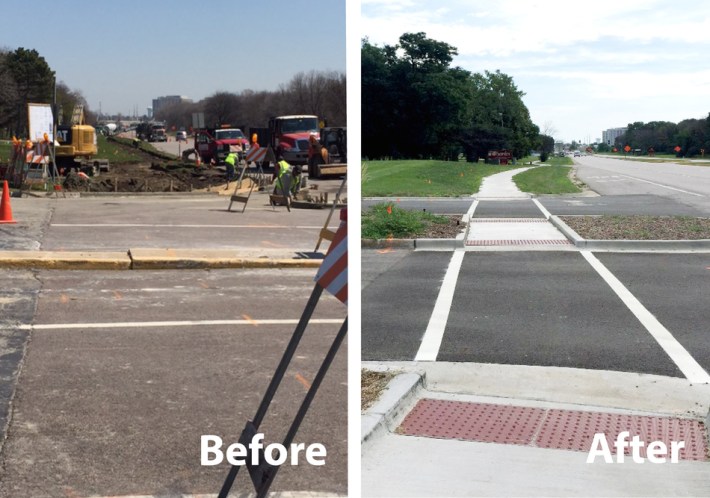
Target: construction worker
[(229, 162), (282, 170)]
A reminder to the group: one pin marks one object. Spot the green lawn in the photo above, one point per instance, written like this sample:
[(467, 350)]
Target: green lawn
[(112, 151), (546, 180), (425, 178), (5, 151)]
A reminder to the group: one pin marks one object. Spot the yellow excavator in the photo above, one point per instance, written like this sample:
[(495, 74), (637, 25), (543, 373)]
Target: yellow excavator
[(77, 142)]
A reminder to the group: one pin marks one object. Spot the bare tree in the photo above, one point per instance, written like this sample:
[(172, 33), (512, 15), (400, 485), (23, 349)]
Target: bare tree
[(221, 108)]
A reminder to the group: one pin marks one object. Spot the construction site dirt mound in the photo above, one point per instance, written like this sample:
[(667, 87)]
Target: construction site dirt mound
[(147, 177)]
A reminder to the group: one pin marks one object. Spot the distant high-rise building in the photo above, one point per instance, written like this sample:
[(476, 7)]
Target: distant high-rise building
[(163, 102), (609, 136)]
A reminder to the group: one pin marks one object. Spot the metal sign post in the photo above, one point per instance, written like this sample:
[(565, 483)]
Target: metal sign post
[(325, 233), (240, 198)]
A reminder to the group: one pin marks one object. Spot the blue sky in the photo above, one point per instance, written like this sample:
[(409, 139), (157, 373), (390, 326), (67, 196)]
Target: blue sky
[(121, 54), (584, 66)]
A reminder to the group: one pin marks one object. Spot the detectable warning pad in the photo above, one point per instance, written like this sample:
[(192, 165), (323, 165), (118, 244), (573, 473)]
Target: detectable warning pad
[(549, 428)]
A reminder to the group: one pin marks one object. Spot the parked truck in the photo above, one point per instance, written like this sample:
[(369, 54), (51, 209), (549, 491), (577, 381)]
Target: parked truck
[(288, 136)]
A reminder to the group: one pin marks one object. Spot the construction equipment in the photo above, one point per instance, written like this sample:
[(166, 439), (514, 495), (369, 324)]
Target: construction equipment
[(77, 143), (334, 141)]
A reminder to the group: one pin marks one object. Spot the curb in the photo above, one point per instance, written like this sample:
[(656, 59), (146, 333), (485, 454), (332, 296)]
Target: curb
[(572, 236), (393, 403), (144, 259), (387, 243), (65, 260)]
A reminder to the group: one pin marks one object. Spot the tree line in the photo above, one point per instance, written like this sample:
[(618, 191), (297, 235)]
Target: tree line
[(415, 105), (691, 135), (321, 93), (26, 77)]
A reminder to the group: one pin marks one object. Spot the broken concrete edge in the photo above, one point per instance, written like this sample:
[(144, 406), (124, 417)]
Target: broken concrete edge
[(629, 245), (83, 260), (394, 403)]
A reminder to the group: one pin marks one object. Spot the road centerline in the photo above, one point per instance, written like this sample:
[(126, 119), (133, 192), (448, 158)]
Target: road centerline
[(678, 354)]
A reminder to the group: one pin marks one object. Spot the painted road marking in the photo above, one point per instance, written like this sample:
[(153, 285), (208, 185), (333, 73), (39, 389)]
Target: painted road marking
[(431, 342), (663, 186), (680, 356), (158, 225), (184, 323), (545, 212)]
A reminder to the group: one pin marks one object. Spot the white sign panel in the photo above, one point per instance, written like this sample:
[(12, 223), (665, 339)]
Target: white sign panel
[(41, 121), (198, 120)]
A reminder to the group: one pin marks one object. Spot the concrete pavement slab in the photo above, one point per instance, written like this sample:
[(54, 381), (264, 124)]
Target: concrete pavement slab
[(436, 467), (452, 467)]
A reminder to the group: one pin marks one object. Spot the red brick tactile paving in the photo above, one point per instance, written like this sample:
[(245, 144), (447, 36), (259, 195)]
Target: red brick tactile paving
[(531, 242), (548, 428)]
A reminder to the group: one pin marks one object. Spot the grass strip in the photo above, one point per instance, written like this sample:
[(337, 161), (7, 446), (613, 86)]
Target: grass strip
[(546, 180)]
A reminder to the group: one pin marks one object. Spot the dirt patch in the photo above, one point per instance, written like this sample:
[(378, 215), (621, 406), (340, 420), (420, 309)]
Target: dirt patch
[(146, 177), (372, 384), (639, 227), (449, 230)]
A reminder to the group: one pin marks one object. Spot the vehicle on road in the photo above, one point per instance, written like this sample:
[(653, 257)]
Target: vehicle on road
[(181, 136), (214, 144)]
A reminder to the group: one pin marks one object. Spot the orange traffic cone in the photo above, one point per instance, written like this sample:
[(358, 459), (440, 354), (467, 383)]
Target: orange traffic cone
[(5, 209)]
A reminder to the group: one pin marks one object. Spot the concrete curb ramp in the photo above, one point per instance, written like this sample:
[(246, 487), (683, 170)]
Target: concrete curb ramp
[(146, 259)]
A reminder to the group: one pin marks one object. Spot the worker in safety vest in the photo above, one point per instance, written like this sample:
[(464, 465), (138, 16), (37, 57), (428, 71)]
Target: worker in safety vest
[(229, 162), (283, 170)]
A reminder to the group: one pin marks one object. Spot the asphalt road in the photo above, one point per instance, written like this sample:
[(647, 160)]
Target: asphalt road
[(686, 184), (112, 400), (537, 308), (109, 378)]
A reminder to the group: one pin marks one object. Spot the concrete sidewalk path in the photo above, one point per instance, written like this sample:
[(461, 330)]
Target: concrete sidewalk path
[(501, 186)]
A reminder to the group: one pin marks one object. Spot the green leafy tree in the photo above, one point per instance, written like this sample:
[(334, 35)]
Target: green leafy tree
[(34, 83), (415, 105)]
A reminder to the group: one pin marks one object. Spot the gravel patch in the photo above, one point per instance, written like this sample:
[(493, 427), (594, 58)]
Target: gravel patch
[(639, 227)]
